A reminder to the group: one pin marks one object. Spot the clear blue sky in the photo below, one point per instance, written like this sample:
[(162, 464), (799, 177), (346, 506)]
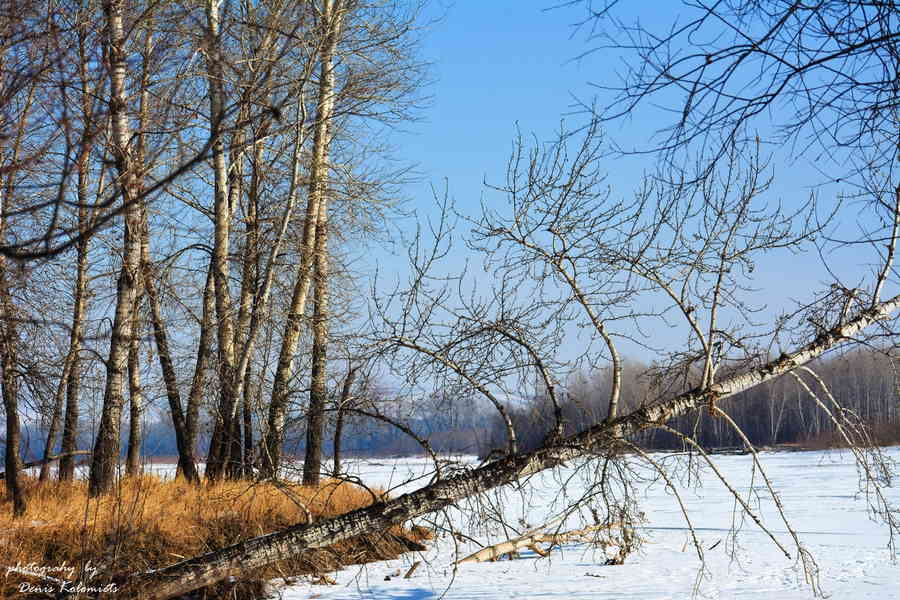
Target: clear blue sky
[(496, 64), (503, 63)]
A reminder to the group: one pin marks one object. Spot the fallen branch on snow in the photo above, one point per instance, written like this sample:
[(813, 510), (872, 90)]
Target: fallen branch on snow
[(532, 538)]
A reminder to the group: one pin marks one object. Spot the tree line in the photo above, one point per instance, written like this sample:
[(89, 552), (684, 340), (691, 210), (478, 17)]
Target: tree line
[(862, 382), (775, 413)]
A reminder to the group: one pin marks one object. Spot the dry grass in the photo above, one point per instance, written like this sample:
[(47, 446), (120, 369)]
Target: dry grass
[(147, 523)]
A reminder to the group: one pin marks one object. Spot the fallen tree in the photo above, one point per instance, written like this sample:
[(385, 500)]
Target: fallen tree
[(601, 439)]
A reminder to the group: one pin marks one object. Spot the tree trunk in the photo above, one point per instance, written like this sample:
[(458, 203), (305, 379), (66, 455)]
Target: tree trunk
[(140, 162), (198, 382), (235, 460), (135, 400), (47, 460), (248, 306), (183, 440), (9, 340), (9, 348), (315, 418), (220, 446), (89, 108), (106, 447), (601, 438), (248, 425), (332, 16), (339, 420), (234, 451), (73, 378), (55, 418), (9, 331)]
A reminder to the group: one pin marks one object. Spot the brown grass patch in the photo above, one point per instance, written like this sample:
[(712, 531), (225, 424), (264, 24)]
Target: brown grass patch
[(148, 523)]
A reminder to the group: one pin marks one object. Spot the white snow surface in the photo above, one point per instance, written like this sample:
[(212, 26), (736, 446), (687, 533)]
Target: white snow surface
[(819, 492)]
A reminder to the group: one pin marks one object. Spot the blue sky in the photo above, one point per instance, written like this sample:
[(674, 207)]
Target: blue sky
[(502, 64), (496, 64)]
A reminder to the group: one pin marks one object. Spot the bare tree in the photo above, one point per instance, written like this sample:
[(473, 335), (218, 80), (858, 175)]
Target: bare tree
[(316, 211), (202, 363), (258, 272), (343, 403), (366, 71), (215, 61), (86, 215), (106, 448), (597, 440), (9, 353), (22, 65), (820, 75), (815, 83)]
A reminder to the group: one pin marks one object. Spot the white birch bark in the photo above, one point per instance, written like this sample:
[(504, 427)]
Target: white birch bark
[(274, 435), (219, 445), (106, 447)]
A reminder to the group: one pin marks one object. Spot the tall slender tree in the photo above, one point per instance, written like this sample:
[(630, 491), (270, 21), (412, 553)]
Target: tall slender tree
[(106, 448)]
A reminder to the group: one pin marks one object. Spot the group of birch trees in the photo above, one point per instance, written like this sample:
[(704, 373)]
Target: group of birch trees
[(182, 183)]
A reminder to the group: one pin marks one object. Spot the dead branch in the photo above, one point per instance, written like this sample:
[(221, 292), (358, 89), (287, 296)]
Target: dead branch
[(49, 459), (531, 541), (412, 569)]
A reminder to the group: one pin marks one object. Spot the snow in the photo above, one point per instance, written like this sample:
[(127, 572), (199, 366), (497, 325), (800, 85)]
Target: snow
[(817, 489)]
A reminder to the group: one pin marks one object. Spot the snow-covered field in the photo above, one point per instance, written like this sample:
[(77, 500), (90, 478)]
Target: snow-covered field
[(818, 491)]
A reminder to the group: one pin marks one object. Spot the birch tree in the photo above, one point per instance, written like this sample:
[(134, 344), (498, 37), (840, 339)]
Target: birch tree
[(215, 64), (106, 447), (316, 211), (562, 248), (368, 71), (92, 124), (17, 107), (9, 357), (257, 87)]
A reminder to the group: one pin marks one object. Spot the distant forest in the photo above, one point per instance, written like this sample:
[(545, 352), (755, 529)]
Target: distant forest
[(863, 383)]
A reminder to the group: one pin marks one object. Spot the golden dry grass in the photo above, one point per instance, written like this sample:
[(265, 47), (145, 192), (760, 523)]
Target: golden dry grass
[(147, 523)]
